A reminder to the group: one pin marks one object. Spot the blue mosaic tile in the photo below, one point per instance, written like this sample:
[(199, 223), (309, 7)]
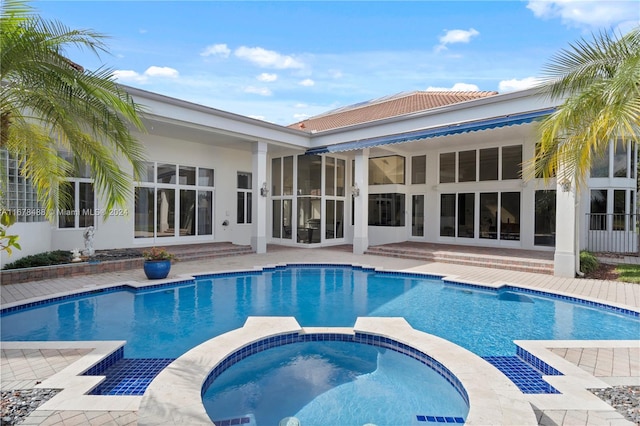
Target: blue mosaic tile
[(128, 376), (236, 421), (524, 375), (440, 419)]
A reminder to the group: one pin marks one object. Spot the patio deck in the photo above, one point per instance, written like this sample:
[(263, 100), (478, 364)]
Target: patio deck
[(578, 409)]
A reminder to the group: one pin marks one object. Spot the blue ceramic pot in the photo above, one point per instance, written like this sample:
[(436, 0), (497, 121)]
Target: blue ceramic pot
[(157, 269)]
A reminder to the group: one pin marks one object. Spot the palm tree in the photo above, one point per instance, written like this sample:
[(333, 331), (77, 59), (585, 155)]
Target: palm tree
[(599, 83), (50, 104)]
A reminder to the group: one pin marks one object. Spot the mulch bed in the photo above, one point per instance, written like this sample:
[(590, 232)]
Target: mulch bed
[(605, 271)]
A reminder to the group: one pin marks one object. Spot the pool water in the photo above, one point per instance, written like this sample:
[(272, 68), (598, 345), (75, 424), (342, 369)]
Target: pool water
[(165, 322), (325, 383)]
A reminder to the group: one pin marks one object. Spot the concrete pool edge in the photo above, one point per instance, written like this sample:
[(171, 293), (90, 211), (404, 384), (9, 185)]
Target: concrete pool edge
[(175, 395)]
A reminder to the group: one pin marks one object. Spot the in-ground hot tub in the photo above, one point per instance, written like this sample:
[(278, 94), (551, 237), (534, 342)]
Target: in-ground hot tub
[(389, 346)]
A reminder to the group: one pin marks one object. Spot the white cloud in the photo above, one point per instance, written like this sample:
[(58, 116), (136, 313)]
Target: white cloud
[(267, 58), (151, 72), (266, 77), (307, 82), (456, 36), (216, 50), (458, 87), (154, 71), (128, 75), (515, 84), (262, 91), (594, 14), (300, 117), (335, 73), (301, 105)]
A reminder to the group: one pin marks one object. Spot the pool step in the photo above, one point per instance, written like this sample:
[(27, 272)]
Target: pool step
[(524, 375), (128, 376)]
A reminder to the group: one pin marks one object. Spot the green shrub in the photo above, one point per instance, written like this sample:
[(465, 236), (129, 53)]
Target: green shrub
[(588, 262), (55, 257)]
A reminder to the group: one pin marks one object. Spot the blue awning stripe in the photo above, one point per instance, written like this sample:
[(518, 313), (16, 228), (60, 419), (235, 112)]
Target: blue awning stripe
[(453, 129)]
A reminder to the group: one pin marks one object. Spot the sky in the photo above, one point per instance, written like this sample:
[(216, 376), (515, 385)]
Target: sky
[(282, 61)]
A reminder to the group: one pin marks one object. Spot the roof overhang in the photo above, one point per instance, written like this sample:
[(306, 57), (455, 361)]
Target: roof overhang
[(434, 132)]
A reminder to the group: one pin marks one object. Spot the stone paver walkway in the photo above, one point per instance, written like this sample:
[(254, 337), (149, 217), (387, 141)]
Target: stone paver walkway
[(602, 362)]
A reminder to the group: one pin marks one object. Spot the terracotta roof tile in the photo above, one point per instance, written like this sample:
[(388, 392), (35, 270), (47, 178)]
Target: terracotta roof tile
[(391, 106)]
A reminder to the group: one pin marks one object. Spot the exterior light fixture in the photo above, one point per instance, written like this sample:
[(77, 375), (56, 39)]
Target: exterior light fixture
[(355, 191), (264, 191), (565, 185)]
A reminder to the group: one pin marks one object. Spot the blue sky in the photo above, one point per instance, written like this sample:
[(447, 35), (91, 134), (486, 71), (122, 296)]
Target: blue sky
[(285, 61)]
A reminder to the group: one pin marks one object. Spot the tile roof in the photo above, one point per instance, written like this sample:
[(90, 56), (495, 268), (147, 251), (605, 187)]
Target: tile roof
[(390, 106)]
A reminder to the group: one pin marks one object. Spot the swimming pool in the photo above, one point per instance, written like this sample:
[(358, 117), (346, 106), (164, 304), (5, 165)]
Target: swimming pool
[(164, 321)]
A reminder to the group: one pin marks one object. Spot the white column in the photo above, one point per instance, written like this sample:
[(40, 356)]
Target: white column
[(259, 214), (361, 203), (565, 258)]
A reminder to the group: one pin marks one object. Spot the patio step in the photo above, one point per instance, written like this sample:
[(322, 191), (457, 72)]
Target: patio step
[(188, 253), (513, 263)]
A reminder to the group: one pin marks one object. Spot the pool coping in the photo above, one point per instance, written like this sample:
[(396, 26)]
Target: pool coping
[(174, 396)]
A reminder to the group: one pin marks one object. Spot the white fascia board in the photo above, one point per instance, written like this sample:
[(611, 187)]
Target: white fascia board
[(167, 109)]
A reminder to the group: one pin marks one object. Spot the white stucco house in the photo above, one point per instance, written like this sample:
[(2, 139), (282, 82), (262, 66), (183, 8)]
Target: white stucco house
[(439, 167)]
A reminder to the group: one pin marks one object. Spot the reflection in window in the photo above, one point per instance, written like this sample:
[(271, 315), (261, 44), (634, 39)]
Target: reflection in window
[(188, 212), (144, 212), (386, 170), (244, 198), (467, 166), (166, 173), (619, 209), (419, 169), (80, 211), (386, 209), (545, 218), (466, 214), (600, 164), (512, 162), (166, 213), (308, 220), (598, 210), (489, 215), (417, 216), (448, 167), (309, 174), (447, 215), (620, 159), (205, 212), (489, 164), (187, 175), (510, 216), (334, 219)]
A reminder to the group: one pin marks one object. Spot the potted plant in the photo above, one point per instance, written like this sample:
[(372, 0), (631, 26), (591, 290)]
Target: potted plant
[(157, 262)]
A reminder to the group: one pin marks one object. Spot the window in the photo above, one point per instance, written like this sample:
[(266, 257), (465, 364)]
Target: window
[(489, 164), (244, 198), (79, 212), (620, 157), (174, 201), (309, 174), (417, 216), (600, 165), (19, 195), (466, 215), (448, 167), (418, 169), (619, 209), (77, 209), (386, 170), (386, 209), (489, 215), (467, 166), (545, 218), (510, 216), (447, 215), (598, 209), (512, 162), (282, 186)]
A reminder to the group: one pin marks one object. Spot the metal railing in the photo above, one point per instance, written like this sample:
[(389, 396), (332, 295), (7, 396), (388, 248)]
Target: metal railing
[(612, 232)]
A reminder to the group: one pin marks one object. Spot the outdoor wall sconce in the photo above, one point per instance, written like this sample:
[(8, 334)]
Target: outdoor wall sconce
[(355, 191), (565, 185), (225, 223), (264, 191)]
